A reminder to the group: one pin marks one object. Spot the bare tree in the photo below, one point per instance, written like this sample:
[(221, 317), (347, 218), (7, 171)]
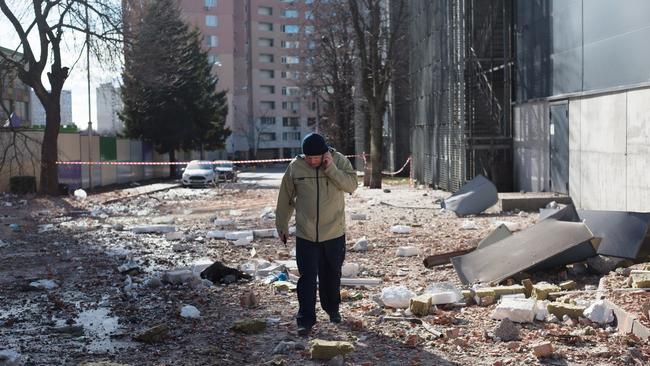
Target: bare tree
[(331, 75), (45, 28), (377, 43)]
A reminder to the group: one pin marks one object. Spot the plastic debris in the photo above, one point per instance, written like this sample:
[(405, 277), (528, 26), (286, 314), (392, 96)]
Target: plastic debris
[(444, 293), (407, 251), (397, 297), (400, 229)]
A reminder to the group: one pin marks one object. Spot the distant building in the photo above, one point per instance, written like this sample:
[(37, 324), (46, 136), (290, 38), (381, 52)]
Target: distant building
[(109, 103), (37, 111), (14, 95), (255, 48)]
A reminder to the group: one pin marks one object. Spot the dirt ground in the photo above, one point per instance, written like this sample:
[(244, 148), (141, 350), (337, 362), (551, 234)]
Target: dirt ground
[(95, 310)]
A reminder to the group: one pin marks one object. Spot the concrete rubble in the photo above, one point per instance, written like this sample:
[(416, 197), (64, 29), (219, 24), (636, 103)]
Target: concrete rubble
[(119, 287)]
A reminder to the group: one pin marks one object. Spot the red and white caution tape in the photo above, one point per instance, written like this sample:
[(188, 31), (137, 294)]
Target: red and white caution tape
[(217, 162), (399, 171)]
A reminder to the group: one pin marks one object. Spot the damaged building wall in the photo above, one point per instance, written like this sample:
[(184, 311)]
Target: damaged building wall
[(586, 55)]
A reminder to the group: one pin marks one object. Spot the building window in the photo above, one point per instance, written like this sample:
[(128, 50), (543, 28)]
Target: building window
[(313, 106), (265, 10), (265, 58), (309, 15), (209, 4), (311, 121), (267, 136), (265, 42), (290, 90), (267, 120), (311, 45), (265, 26), (211, 20), (214, 60), (290, 121), (290, 44), (289, 13), (212, 41), (309, 29), (268, 105), (291, 106), (309, 1), (292, 75), (290, 28), (290, 59), (268, 89), (290, 136), (267, 74)]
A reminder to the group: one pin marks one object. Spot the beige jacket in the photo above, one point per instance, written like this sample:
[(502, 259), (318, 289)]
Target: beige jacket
[(317, 196)]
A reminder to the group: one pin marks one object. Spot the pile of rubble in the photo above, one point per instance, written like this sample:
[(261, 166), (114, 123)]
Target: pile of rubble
[(200, 275)]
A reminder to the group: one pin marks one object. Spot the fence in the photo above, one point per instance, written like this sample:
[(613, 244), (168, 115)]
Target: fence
[(21, 151)]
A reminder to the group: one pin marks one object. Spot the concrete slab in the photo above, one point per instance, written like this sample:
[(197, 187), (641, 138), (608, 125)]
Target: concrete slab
[(530, 201)]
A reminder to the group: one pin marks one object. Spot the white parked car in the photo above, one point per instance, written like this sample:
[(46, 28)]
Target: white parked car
[(199, 173)]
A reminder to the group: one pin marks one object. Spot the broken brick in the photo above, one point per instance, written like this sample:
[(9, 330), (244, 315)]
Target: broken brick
[(542, 289), (543, 349), (559, 309)]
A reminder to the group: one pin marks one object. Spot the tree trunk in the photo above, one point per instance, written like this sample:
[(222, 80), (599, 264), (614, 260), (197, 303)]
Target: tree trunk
[(366, 147), (49, 183), (376, 127), (172, 167)]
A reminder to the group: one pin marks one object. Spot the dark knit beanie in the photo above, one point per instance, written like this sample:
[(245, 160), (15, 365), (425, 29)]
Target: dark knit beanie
[(314, 144)]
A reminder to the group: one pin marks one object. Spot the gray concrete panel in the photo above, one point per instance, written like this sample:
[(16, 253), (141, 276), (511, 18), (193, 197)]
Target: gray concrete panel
[(603, 181), (575, 153), (638, 150), (603, 124)]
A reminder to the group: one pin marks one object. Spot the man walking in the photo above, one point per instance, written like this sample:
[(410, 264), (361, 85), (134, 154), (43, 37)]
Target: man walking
[(314, 185)]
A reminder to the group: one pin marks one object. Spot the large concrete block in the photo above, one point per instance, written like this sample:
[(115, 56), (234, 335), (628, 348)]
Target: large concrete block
[(603, 181), (606, 131)]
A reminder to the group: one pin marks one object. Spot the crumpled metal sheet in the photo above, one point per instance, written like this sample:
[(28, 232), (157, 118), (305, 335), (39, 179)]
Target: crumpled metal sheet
[(474, 197), (500, 233), (549, 243), (566, 213), (623, 234)]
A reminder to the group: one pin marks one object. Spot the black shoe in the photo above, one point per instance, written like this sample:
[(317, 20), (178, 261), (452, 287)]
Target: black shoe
[(335, 317), (303, 331)]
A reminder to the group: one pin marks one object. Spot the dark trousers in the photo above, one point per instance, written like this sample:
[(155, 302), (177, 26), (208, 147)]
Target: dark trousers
[(322, 260)]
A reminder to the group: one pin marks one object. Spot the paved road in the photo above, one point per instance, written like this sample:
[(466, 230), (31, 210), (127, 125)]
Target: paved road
[(267, 178)]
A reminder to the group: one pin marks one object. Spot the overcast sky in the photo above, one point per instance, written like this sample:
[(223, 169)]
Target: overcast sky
[(76, 82)]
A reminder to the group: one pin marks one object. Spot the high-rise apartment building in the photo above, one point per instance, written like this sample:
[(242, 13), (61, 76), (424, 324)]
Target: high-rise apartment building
[(255, 47), (109, 103), (37, 111), (14, 95)]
